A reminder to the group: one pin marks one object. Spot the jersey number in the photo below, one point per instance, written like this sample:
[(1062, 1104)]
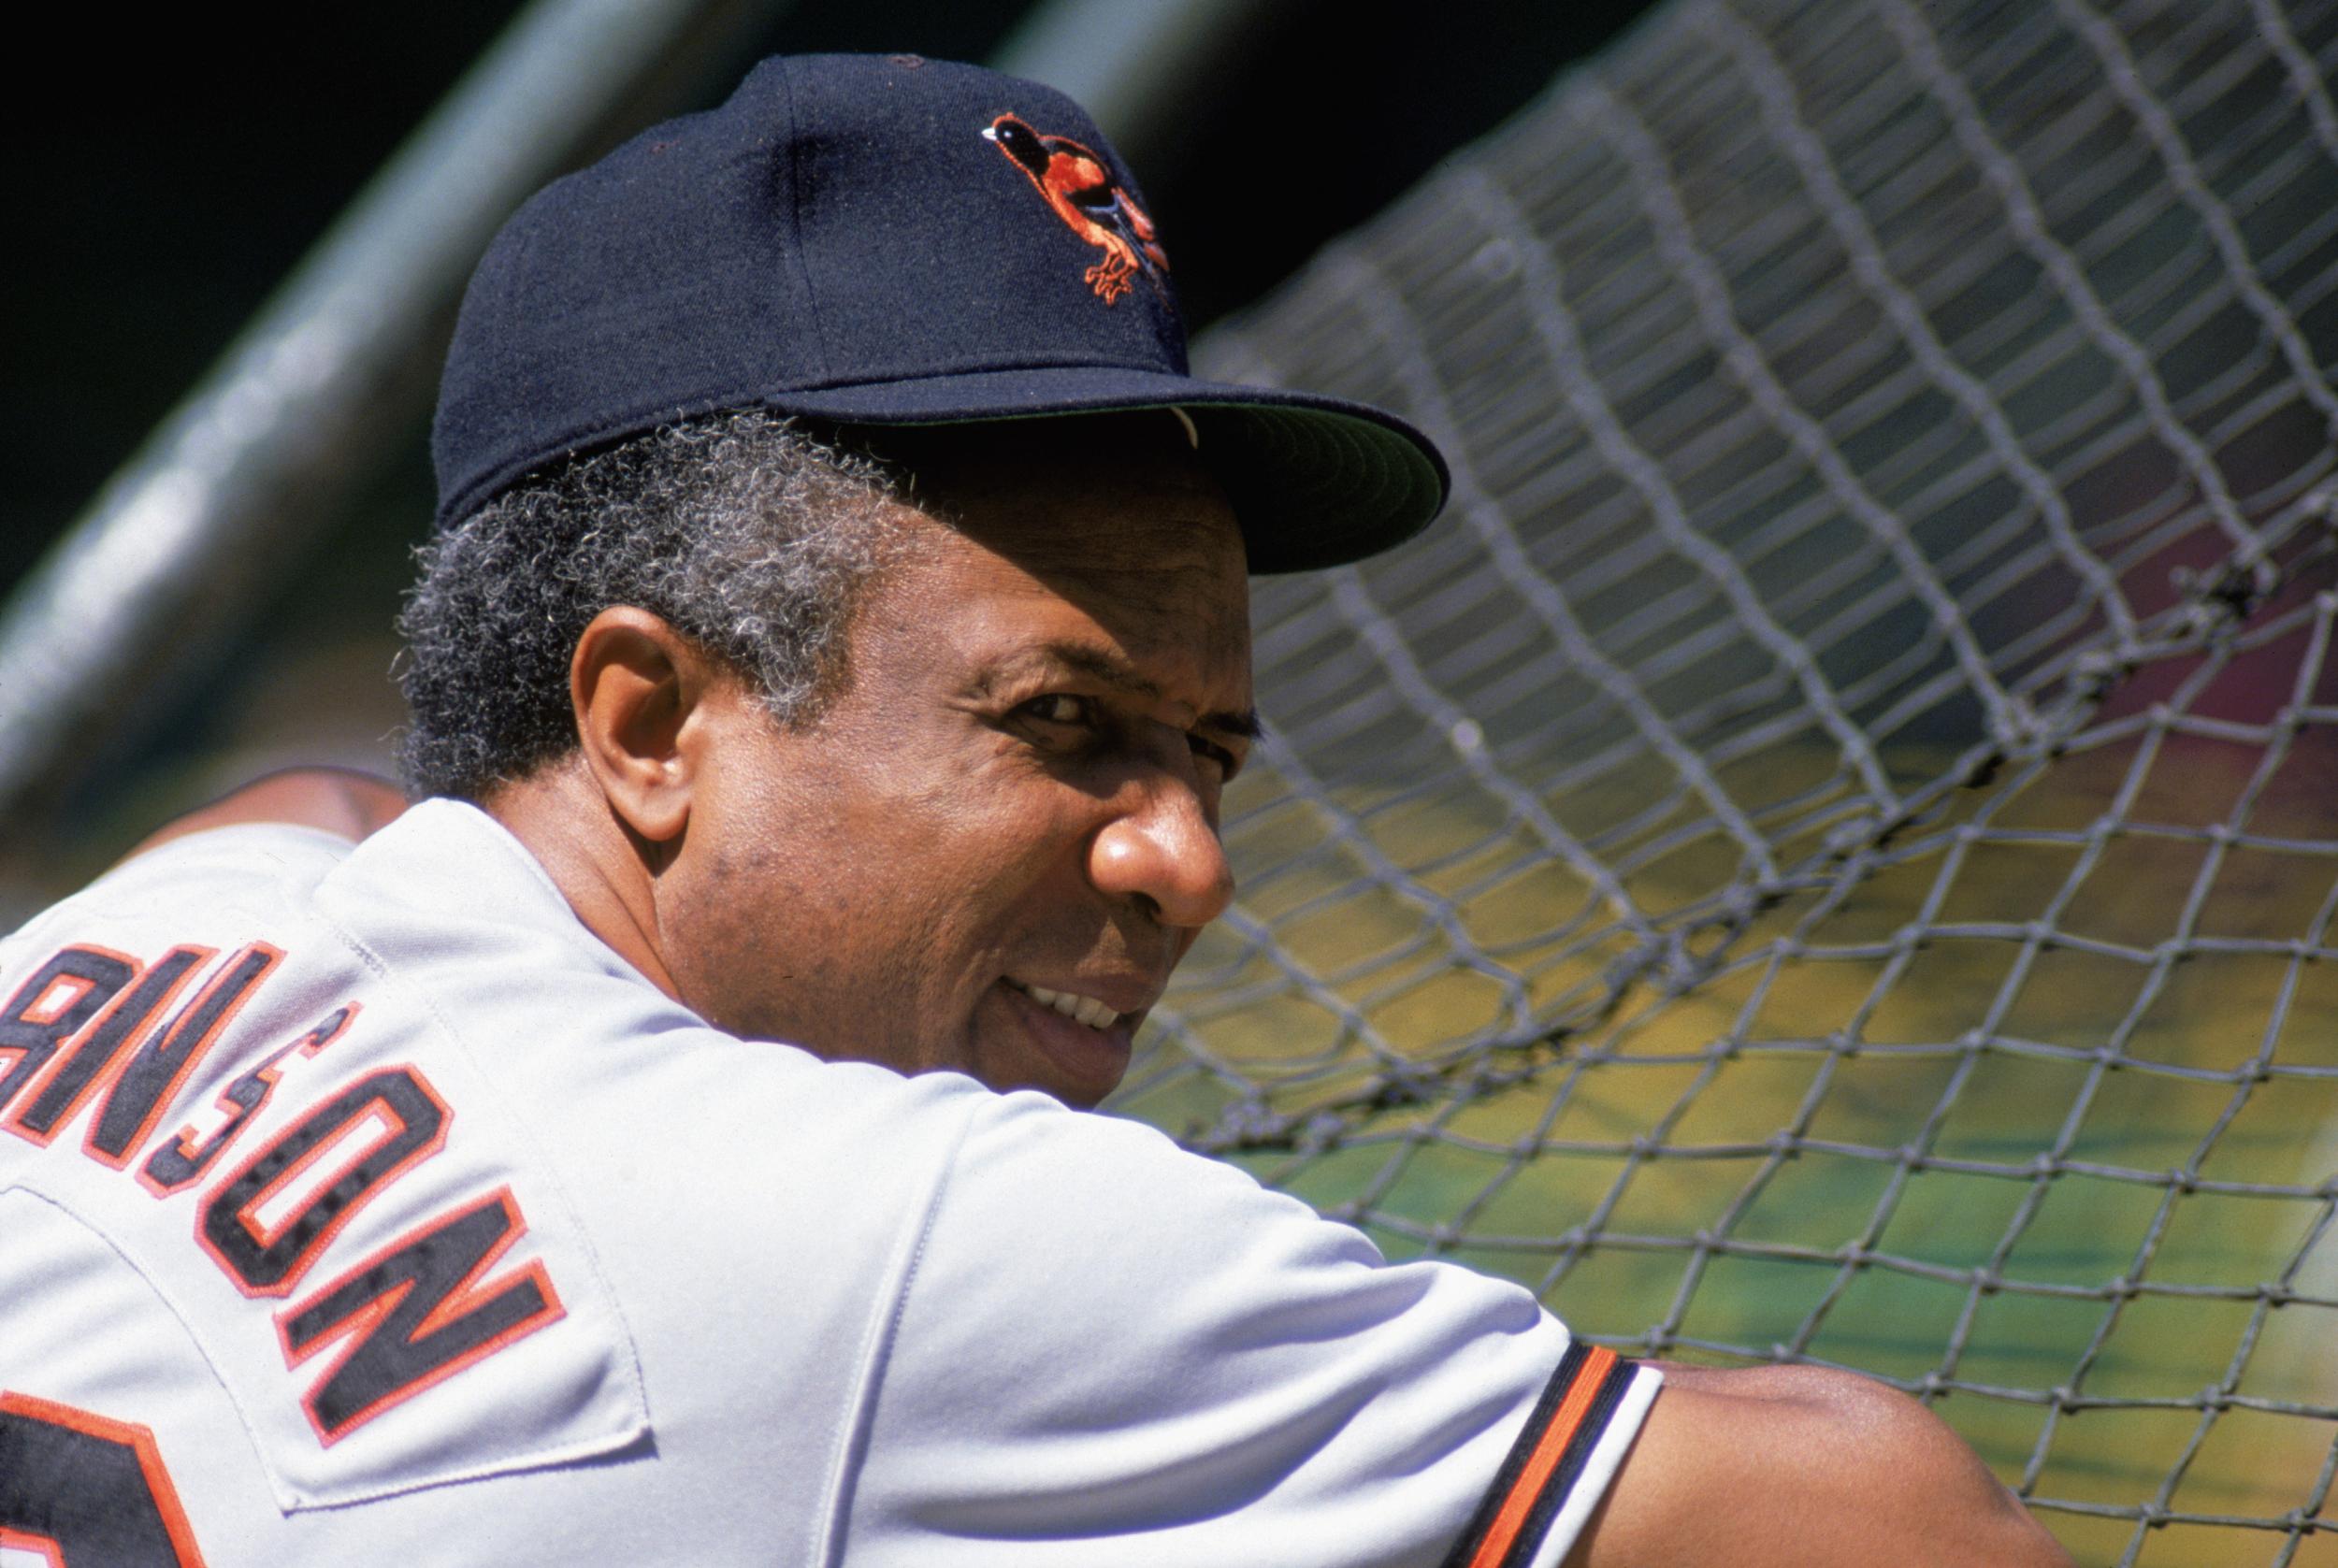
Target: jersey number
[(86, 1492)]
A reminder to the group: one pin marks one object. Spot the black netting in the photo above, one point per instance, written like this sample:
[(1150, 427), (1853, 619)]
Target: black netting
[(1831, 852)]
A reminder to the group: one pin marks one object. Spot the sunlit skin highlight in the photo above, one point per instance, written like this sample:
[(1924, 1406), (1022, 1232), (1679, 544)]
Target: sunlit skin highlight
[(1017, 788)]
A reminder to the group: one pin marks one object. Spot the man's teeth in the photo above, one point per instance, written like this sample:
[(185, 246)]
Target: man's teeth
[(1089, 1011)]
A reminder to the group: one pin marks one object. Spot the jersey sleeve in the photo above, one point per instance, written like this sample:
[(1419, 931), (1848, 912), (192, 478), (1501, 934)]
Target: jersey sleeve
[(1111, 1350)]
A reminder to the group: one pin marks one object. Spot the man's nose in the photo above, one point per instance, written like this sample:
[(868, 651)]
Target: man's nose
[(1162, 850)]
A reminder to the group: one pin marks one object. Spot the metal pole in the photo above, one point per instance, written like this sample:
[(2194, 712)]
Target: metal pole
[(181, 544)]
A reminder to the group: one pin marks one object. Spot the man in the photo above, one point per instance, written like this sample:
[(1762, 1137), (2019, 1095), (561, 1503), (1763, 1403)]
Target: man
[(824, 680)]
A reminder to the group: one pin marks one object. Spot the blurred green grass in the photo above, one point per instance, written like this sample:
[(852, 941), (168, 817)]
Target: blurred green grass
[(1956, 1118)]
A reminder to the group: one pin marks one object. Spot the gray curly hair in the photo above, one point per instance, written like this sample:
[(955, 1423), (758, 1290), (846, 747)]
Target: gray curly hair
[(742, 531)]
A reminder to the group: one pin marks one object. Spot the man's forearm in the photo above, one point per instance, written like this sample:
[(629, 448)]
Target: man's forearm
[(1809, 1467)]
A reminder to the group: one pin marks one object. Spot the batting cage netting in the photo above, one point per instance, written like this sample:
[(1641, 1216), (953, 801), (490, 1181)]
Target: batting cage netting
[(1831, 852)]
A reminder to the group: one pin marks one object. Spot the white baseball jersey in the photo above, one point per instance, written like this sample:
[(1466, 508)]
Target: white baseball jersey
[(358, 1206)]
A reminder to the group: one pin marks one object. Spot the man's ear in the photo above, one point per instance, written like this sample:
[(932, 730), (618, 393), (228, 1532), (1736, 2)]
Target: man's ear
[(636, 684)]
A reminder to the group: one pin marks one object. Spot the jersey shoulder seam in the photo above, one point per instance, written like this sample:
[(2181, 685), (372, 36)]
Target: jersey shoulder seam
[(541, 1169), (31, 1187), (830, 1532)]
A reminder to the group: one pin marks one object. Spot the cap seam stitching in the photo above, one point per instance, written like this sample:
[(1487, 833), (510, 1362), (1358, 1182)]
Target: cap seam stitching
[(793, 152)]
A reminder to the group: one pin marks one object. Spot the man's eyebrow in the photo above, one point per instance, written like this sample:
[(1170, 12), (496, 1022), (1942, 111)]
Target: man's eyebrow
[(1098, 665)]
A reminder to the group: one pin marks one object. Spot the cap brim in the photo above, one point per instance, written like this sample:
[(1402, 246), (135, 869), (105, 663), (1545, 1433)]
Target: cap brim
[(1315, 481)]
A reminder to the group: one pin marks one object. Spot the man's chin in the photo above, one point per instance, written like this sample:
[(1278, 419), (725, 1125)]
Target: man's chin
[(1023, 1043)]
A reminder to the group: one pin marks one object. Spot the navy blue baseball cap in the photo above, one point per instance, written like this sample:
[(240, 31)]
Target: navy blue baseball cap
[(881, 240)]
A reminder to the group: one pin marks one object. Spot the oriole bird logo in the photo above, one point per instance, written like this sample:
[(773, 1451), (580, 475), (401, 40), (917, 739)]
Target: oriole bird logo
[(1077, 185)]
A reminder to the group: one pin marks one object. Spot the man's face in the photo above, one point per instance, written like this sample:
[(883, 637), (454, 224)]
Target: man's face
[(1011, 809)]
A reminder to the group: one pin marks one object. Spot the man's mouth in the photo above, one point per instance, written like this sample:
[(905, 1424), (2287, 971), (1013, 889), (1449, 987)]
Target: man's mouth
[(1083, 1009)]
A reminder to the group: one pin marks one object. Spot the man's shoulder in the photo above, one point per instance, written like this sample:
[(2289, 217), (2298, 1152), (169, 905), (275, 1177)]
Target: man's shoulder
[(247, 1126), (399, 1144), (270, 875), (447, 945)]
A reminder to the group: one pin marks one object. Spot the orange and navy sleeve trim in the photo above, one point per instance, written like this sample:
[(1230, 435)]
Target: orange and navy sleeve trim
[(1546, 1461)]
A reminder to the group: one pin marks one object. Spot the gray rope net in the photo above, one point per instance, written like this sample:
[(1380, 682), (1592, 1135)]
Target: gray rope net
[(1831, 852)]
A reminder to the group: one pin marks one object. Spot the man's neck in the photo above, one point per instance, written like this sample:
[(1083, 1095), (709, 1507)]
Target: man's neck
[(599, 868)]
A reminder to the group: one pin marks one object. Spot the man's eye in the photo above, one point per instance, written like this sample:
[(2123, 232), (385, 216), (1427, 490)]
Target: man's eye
[(1210, 750), (1058, 708)]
